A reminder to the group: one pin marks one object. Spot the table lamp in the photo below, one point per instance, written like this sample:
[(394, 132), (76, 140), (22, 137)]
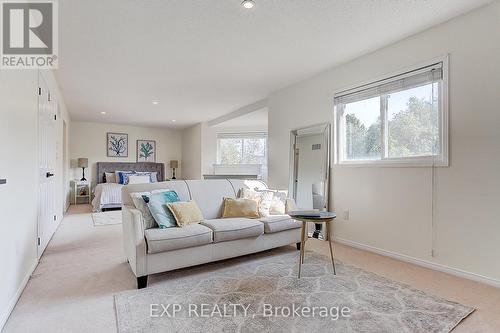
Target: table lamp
[(83, 163), (174, 164)]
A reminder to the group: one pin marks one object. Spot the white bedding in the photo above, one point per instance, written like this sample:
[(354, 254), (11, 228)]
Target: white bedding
[(107, 194)]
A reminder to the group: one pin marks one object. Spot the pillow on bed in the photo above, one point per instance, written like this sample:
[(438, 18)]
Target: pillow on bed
[(151, 175), (110, 177), (135, 179), (120, 176), (154, 177)]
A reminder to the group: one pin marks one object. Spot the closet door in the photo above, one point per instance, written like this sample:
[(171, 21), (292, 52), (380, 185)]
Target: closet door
[(47, 223)]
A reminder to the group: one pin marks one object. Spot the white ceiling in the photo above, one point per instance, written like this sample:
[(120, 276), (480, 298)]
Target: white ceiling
[(256, 119), (203, 59)]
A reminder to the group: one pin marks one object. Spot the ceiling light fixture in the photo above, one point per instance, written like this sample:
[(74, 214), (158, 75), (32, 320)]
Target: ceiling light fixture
[(156, 102), (248, 4), (103, 113), (173, 120)]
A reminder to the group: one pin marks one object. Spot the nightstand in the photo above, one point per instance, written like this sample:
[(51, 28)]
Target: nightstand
[(81, 192)]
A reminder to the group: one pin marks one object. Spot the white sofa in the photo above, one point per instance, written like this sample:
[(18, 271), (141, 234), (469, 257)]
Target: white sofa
[(155, 250)]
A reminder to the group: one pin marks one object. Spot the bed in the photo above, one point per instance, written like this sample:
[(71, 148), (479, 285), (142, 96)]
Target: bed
[(107, 196)]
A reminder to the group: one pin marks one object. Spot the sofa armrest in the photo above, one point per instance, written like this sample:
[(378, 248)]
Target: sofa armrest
[(134, 241)]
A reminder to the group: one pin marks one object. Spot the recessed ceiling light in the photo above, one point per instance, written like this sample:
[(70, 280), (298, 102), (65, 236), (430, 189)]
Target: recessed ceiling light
[(173, 120), (103, 113), (156, 102), (248, 4)]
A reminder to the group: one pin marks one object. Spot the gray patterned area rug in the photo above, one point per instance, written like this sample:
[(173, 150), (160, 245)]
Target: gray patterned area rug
[(261, 293)]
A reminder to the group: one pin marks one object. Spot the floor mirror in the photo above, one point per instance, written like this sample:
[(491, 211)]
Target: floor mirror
[(309, 170)]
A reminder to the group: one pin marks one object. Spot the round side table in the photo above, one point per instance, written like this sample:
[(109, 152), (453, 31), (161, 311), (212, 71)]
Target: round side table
[(324, 217)]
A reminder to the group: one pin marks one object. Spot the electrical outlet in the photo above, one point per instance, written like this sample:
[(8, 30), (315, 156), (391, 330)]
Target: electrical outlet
[(346, 215)]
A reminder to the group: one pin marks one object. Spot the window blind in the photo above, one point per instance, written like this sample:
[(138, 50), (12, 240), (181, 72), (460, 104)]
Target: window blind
[(246, 135), (397, 83)]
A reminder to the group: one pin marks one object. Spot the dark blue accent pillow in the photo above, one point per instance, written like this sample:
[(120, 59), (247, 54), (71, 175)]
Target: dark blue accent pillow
[(121, 176)]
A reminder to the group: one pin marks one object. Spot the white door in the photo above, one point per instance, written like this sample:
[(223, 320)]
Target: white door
[(46, 166)]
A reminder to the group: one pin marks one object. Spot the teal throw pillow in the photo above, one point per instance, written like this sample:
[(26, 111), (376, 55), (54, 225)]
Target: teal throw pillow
[(157, 205)]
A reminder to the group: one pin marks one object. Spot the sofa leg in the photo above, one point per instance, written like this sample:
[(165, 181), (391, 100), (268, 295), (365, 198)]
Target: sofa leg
[(142, 282), (298, 246)]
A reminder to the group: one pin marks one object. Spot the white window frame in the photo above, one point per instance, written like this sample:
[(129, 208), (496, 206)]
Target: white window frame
[(441, 159), (242, 135)]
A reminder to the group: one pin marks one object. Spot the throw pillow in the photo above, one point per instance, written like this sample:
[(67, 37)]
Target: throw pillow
[(264, 199), (278, 202), (240, 207), (120, 176), (135, 179), (110, 177), (185, 212), (152, 175), (138, 198), (157, 205)]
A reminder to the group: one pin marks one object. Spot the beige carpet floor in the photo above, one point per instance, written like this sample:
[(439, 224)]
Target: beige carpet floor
[(269, 279), (83, 268)]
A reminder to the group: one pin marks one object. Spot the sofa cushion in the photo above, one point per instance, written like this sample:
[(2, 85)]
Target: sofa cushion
[(234, 228), (277, 223), (162, 240)]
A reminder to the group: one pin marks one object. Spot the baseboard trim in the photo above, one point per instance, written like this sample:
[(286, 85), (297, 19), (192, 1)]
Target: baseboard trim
[(12, 304), (421, 262)]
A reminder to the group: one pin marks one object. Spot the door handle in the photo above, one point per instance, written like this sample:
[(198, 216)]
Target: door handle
[(48, 175)]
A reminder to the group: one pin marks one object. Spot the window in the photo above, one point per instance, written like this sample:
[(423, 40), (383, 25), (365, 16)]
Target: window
[(398, 120), (243, 148)]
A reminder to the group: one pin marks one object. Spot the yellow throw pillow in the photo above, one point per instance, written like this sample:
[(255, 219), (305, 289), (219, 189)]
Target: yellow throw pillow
[(240, 208), (185, 212)]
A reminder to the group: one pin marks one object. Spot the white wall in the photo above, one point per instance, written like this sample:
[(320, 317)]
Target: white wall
[(208, 148), (191, 152), (19, 164), (88, 140), (390, 208)]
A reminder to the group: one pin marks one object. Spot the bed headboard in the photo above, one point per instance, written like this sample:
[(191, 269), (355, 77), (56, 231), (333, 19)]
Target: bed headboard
[(103, 167)]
